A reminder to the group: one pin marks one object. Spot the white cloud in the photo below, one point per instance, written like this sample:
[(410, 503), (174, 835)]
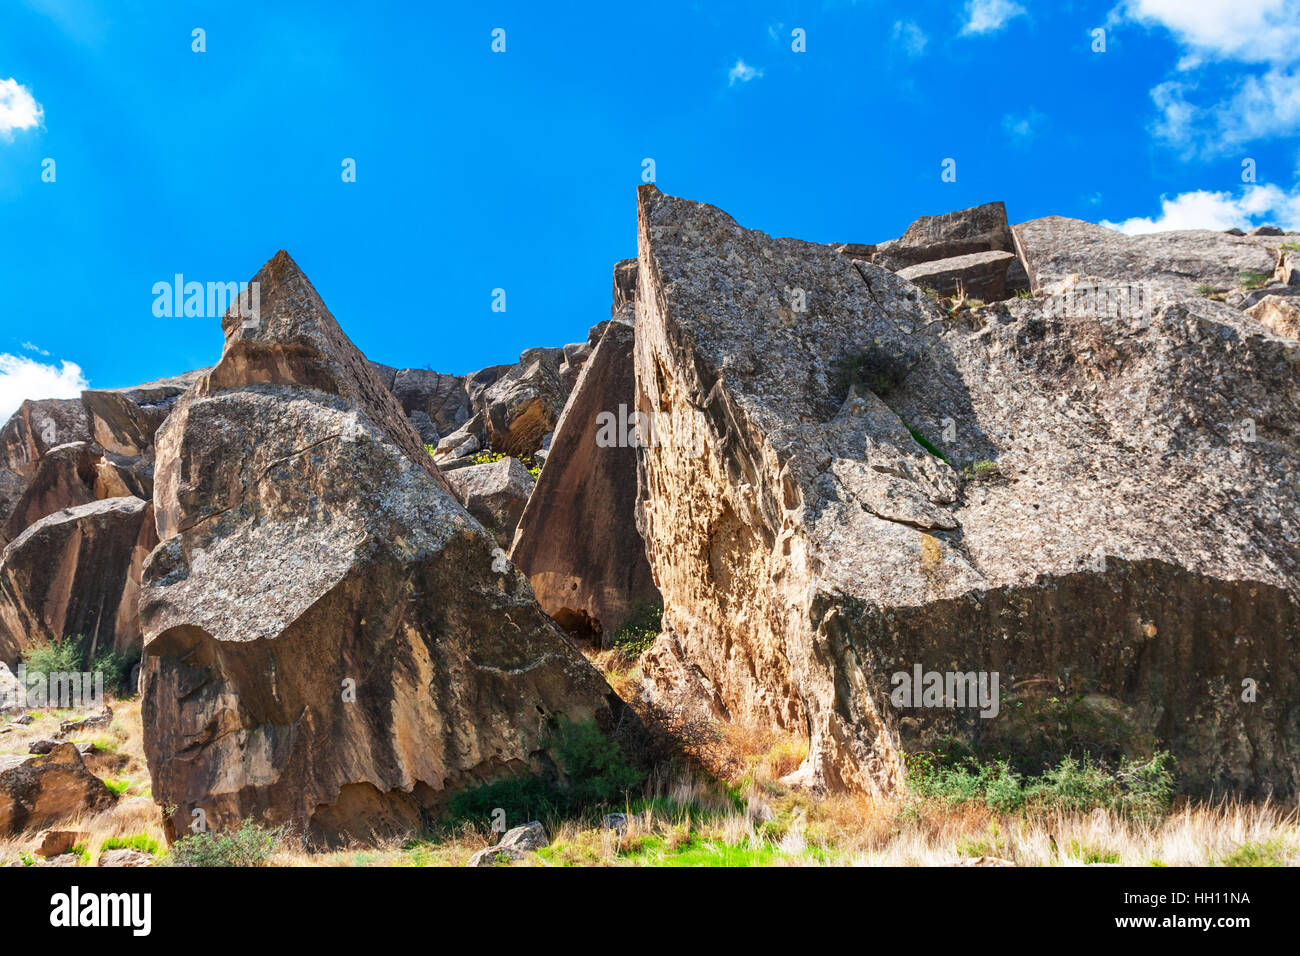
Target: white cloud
[(1248, 105), (22, 378), (910, 37), (742, 73), (18, 108), (989, 16), (33, 347), (1202, 209), (1252, 31)]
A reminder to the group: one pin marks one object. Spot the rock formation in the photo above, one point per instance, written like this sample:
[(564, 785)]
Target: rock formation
[(76, 573), (1098, 505), (578, 541), (495, 493), (36, 792), (331, 641)]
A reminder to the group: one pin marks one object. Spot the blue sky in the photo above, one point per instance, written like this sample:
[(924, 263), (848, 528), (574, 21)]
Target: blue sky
[(479, 170)]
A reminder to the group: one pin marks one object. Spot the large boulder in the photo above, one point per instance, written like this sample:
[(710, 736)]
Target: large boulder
[(960, 233), (36, 792), (495, 493), (76, 474), (37, 427), (980, 275), (76, 572), (523, 405), (577, 540), (439, 396), (1056, 247), (123, 420), (1114, 515), (331, 640)]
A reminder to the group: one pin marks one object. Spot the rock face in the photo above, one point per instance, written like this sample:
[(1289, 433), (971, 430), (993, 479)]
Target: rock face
[(578, 541), (76, 474), (330, 640), (123, 420), (1120, 529), (960, 233), (523, 405), (76, 572), (36, 792), (1280, 315), (495, 493), (981, 275), (1056, 247)]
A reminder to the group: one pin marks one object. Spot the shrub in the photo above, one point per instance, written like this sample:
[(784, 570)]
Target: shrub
[(640, 629), (982, 470), (1252, 279), (1140, 790), (52, 657), (119, 787), (877, 369), (69, 653), (595, 775), (248, 844)]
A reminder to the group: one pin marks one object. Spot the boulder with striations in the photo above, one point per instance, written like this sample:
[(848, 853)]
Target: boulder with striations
[(1098, 507), (331, 640)]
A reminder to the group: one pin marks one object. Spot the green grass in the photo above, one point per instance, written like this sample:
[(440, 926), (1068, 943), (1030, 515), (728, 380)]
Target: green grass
[(136, 841), (1290, 247), (1252, 279), (1088, 853), (119, 787), (982, 470), (1267, 853)]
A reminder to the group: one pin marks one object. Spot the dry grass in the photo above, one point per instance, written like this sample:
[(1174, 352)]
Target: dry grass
[(729, 805), (119, 760)]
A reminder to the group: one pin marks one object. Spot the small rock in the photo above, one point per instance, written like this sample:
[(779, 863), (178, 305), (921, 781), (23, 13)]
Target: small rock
[(1265, 231), (58, 842), (124, 857), (615, 821), (25, 719)]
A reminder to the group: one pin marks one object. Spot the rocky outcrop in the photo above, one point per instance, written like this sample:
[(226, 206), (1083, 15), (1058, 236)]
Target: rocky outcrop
[(331, 640), (123, 420), (37, 427), (76, 572), (1055, 248), (1094, 505), (1279, 315), (441, 398), (76, 474), (523, 405), (495, 493), (578, 541), (980, 275), (960, 233), (37, 792)]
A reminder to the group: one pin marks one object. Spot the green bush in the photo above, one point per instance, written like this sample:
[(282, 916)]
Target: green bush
[(248, 844), (594, 775), (1142, 790), (69, 654), (62, 655), (640, 629)]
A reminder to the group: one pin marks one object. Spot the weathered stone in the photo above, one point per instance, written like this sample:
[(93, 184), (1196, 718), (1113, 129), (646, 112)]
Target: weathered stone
[(124, 856), (463, 441), (123, 420), (1137, 547), (37, 427), (577, 541), (330, 639), (37, 792), (1278, 313), (960, 233), (55, 842), (515, 845), (524, 404), (439, 396), (76, 572), (76, 474), (1265, 231), (624, 285), (856, 250), (981, 275), (495, 493), (1056, 248)]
